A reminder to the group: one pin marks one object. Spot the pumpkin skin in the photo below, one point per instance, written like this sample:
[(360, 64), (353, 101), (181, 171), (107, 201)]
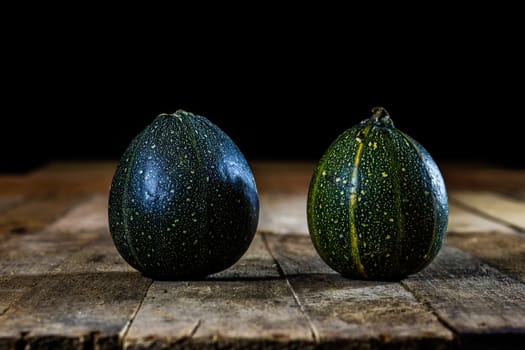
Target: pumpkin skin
[(183, 202), (377, 204)]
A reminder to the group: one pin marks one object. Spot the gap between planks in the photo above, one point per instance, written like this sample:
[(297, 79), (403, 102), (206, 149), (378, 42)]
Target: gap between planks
[(346, 312), (127, 326), (244, 271), (313, 330), (83, 262), (494, 206), (248, 304), (293, 278)]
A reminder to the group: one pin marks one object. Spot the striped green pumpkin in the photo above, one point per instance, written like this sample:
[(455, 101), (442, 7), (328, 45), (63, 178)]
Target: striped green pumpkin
[(377, 203)]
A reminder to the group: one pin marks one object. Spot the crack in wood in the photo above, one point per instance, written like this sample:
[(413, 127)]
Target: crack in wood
[(63, 284), (313, 330), (428, 305), (194, 328), (484, 214), (127, 326), (470, 298)]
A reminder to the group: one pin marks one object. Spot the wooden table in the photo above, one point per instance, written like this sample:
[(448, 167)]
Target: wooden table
[(63, 285)]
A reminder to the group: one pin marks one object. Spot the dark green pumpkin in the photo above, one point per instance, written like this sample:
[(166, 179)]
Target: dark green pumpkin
[(183, 202), (377, 203)]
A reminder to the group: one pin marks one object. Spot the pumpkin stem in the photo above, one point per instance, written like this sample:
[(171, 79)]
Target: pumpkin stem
[(379, 112), (381, 117)]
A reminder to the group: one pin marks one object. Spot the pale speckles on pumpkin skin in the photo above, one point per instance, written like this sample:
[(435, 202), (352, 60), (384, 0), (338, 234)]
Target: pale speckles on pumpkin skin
[(386, 184), (173, 150)]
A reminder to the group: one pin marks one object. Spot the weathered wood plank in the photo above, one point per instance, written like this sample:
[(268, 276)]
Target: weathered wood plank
[(461, 220), (477, 301), (13, 288), (67, 310), (506, 252), (296, 255), (62, 284), (91, 215), (220, 314), (253, 310), (256, 263), (34, 215), (26, 258), (505, 209), (7, 202), (28, 255), (70, 288), (38, 251), (351, 313), (496, 244), (61, 178), (87, 301), (283, 213)]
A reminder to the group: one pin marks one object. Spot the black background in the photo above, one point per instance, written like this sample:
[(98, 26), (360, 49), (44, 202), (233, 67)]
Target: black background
[(282, 89)]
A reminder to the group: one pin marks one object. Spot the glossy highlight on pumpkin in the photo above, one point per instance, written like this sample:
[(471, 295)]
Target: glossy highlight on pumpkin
[(183, 202), (377, 203)]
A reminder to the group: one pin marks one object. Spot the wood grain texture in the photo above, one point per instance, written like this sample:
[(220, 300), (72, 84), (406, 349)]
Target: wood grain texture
[(461, 220), (355, 314), (86, 301), (26, 260), (256, 263), (61, 178), (63, 285), (283, 213), (35, 214), (49, 239), (477, 301), (506, 252), (68, 287), (91, 215), (7, 202), (495, 206), (255, 310)]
